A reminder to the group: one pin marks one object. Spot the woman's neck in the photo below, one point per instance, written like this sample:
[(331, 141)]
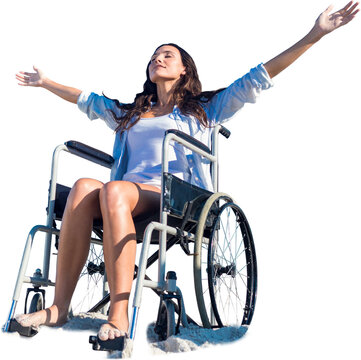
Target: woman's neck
[(159, 110), (165, 102), (165, 94)]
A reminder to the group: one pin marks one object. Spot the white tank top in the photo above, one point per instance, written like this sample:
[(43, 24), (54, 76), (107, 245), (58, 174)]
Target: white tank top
[(144, 146)]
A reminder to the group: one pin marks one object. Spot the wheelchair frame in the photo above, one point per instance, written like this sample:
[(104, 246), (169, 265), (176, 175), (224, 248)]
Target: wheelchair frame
[(163, 285)]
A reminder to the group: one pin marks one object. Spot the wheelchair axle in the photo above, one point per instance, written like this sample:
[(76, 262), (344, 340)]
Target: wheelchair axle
[(219, 270), (94, 268)]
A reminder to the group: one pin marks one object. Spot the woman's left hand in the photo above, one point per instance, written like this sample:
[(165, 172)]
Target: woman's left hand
[(327, 22)]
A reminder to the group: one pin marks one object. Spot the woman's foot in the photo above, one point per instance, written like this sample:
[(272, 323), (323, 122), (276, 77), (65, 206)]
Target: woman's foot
[(51, 316), (110, 331)]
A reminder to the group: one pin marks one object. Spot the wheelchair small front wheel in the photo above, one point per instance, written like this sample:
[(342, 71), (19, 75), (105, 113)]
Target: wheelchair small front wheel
[(225, 268), (36, 303), (165, 325)]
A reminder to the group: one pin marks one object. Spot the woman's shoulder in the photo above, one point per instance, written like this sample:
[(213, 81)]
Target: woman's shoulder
[(100, 106)]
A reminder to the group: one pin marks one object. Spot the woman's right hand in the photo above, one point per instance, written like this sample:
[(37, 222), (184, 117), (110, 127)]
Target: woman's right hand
[(31, 79), (38, 79)]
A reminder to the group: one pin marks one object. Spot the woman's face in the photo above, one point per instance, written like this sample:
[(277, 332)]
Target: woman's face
[(166, 65)]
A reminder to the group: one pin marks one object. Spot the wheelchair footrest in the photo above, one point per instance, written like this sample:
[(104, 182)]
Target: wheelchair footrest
[(116, 344), (27, 331)]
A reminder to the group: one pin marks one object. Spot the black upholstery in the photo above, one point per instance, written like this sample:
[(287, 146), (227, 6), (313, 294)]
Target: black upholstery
[(90, 153), (178, 195)]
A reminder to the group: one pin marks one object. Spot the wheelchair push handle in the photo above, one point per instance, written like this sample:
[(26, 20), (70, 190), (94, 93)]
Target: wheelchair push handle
[(189, 139), (225, 132), (222, 130)]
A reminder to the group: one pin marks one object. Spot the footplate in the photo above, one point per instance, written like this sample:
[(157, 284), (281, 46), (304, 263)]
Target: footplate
[(116, 344), (28, 331)]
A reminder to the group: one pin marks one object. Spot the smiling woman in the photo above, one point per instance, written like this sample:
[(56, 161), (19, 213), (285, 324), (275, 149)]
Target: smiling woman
[(172, 97), (166, 65), (172, 79)]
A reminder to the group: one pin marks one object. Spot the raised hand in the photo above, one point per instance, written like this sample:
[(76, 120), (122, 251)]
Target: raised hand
[(327, 22), (38, 79), (31, 79)]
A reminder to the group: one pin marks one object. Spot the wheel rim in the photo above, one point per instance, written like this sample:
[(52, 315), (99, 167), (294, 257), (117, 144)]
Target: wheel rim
[(231, 268), (223, 272), (200, 258)]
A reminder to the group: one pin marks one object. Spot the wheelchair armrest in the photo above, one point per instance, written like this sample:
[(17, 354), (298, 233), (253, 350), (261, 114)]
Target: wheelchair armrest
[(190, 139), (89, 153)]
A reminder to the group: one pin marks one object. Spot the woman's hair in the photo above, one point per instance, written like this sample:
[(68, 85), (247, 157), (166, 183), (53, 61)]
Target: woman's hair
[(187, 95)]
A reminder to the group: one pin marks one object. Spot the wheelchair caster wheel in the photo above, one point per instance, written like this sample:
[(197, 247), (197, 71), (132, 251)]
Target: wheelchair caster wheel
[(165, 325)]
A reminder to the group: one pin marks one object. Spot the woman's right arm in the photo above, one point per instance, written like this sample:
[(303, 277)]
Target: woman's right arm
[(95, 106), (38, 79)]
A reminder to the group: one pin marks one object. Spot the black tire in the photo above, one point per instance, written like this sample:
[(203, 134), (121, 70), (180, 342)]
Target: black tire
[(36, 304), (166, 326), (227, 268), (232, 268)]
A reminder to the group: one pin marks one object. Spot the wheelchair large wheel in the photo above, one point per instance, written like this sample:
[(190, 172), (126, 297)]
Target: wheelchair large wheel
[(225, 269)]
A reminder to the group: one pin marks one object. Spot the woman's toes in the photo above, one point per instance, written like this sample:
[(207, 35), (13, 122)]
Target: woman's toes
[(109, 332), (104, 332), (26, 320), (117, 333)]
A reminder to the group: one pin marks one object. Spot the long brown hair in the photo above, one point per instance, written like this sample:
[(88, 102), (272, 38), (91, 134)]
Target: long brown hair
[(187, 95)]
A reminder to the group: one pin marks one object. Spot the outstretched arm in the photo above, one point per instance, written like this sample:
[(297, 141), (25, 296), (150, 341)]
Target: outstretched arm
[(38, 79), (325, 24)]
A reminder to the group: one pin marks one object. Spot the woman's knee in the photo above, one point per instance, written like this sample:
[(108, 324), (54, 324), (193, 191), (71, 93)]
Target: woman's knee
[(85, 191), (117, 196)]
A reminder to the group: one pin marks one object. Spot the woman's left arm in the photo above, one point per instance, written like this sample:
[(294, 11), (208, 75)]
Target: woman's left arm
[(325, 24)]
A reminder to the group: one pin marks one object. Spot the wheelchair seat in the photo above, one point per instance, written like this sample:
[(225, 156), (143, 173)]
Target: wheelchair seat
[(182, 201)]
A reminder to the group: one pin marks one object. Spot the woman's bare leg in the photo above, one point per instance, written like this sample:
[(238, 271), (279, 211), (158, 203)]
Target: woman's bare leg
[(81, 208), (120, 201)]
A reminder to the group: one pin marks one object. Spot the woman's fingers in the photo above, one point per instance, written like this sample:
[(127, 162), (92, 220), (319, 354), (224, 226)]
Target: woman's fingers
[(21, 78), (27, 79), (328, 10), (26, 73), (338, 18), (351, 12), (30, 78), (348, 9)]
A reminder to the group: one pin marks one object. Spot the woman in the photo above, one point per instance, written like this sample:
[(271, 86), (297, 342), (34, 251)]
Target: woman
[(172, 95)]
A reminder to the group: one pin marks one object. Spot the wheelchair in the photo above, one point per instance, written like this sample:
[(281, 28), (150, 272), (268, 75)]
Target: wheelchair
[(208, 226)]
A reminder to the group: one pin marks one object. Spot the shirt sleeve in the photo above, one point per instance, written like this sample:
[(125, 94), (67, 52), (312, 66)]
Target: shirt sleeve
[(244, 90), (98, 106)]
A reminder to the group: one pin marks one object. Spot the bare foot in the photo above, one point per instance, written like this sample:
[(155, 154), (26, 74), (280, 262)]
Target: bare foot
[(51, 316), (109, 331)]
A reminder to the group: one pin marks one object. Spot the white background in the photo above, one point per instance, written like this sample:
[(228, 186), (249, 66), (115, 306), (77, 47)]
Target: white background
[(292, 162)]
